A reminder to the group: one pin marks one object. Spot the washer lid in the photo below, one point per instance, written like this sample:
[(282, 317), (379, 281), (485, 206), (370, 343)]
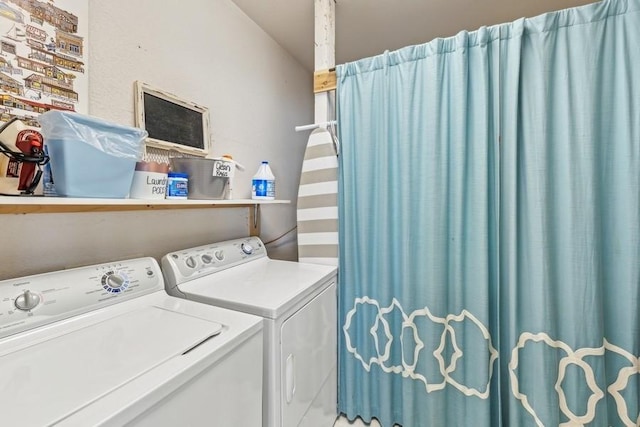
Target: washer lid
[(264, 287), (46, 382)]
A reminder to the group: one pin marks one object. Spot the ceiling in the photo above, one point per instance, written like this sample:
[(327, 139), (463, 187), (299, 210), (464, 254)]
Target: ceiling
[(369, 27)]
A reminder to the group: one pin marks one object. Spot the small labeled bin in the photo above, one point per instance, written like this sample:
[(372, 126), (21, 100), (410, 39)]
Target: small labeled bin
[(204, 184), (91, 157)]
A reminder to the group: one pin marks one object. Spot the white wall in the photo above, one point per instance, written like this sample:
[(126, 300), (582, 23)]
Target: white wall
[(207, 51)]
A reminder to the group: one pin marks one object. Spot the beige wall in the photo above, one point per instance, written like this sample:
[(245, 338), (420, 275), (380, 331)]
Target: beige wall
[(207, 51)]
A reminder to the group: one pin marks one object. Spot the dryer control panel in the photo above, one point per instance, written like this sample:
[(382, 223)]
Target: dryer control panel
[(32, 301), (188, 264)]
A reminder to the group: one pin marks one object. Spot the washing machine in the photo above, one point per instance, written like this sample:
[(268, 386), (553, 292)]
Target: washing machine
[(104, 345), (298, 304)]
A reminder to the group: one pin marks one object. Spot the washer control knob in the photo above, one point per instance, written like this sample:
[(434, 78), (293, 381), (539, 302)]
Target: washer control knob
[(206, 258), (219, 255), (115, 281), (247, 248), (27, 301), (191, 262)]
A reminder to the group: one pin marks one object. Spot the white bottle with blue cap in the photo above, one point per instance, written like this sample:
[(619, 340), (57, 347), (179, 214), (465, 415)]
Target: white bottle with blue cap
[(264, 183)]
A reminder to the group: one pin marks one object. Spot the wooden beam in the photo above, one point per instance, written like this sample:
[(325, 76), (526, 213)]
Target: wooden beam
[(324, 56), (324, 81)]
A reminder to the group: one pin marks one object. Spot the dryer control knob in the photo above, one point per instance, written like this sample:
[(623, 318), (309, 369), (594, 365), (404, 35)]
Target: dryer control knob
[(115, 281), (27, 301), (191, 262), (219, 255), (206, 258), (247, 248)]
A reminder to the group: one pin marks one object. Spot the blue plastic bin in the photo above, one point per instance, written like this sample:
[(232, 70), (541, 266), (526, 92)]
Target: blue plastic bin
[(91, 157)]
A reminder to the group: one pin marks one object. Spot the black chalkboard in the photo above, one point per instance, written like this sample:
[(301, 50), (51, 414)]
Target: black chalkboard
[(171, 122)]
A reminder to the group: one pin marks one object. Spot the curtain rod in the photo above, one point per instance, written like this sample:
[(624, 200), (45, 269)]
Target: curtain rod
[(315, 125)]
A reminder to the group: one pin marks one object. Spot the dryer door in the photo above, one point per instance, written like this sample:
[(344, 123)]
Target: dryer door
[(309, 358)]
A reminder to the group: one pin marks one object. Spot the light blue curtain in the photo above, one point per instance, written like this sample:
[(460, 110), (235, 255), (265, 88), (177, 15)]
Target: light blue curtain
[(489, 237)]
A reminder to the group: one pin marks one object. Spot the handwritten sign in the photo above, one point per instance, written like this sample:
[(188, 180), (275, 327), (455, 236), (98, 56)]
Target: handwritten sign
[(224, 169)]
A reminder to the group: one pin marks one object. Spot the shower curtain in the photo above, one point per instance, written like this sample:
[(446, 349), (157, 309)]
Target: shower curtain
[(489, 198)]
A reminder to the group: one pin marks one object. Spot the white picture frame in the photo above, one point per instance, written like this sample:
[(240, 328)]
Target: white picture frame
[(173, 123)]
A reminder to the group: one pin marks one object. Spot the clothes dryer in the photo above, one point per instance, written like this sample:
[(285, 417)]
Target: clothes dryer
[(298, 304), (106, 346)]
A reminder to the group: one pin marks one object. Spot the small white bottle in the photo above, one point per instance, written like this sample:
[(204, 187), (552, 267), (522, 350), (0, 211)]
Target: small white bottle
[(264, 183)]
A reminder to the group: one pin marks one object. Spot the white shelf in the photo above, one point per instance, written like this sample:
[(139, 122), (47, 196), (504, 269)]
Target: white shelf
[(22, 205), (44, 205)]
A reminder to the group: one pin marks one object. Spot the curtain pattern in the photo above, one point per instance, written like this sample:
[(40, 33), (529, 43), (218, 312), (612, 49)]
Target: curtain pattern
[(489, 236)]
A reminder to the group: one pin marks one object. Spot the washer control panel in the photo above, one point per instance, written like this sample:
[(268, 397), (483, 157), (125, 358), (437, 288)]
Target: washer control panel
[(181, 266), (36, 300)]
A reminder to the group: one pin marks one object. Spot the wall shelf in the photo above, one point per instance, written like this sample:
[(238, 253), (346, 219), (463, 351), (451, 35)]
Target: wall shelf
[(42, 205)]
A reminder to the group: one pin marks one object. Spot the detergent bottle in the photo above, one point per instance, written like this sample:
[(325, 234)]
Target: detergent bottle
[(264, 183)]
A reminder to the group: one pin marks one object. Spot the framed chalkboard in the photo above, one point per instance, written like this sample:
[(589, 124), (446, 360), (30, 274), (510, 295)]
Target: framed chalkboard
[(173, 123)]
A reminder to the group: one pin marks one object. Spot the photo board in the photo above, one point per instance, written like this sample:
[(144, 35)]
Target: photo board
[(43, 58)]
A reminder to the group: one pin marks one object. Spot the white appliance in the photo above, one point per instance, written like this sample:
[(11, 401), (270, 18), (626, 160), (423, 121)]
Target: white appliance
[(298, 303), (106, 346)]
